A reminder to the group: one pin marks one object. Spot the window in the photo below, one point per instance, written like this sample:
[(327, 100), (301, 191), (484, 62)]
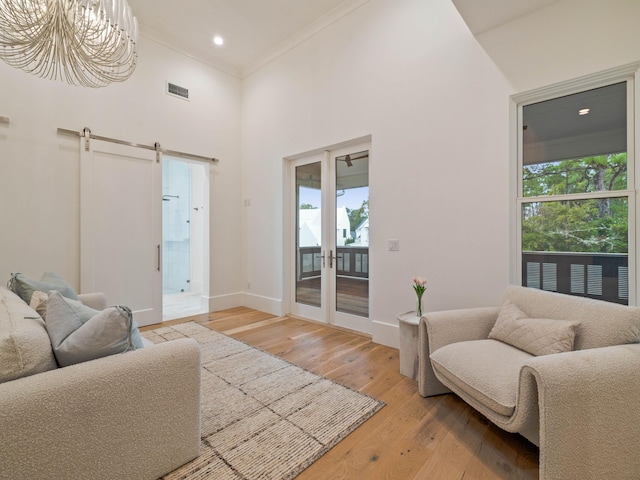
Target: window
[(575, 187)]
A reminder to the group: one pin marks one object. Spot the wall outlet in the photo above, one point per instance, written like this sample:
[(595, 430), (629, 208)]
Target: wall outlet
[(247, 202), (248, 285), (393, 245)]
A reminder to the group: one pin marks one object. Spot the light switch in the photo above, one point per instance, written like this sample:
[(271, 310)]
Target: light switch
[(393, 244)]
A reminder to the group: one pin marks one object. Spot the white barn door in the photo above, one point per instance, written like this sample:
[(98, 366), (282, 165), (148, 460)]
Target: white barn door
[(121, 227)]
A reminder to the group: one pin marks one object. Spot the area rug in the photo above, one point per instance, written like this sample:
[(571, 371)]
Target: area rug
[(261, 416)]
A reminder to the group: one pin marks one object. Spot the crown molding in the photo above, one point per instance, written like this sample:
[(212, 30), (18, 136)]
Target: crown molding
[(243, 71), (226, 67)]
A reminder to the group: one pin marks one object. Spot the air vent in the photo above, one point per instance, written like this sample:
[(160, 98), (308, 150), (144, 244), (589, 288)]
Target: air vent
[(177, 91)]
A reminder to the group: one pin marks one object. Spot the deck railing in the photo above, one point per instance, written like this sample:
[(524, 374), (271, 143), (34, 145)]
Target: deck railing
[(349, 262), (604, 276)]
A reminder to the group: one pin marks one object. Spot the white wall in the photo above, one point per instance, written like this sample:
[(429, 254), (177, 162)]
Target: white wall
[(39, 169), (409, 73), (564, 41)]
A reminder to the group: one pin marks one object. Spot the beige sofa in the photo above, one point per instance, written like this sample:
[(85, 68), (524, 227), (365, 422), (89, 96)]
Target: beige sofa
[(581, 407), (134, 415)]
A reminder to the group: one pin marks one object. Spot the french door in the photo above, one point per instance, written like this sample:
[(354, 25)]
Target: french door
[(121, 227), (330, 277)]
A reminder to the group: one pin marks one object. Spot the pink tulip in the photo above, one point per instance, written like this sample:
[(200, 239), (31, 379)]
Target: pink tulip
[(419, 285)]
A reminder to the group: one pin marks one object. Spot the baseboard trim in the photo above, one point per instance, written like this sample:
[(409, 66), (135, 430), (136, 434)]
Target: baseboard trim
[(386, 334), (223, 302), (264, 304), (243, 299), (382, 333)]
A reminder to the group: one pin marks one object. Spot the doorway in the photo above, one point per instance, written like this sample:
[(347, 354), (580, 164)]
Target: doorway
[(185, 193), (330, 277)]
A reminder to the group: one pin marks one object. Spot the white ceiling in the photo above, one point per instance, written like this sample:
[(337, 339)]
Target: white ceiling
[(553, 129), (483, 15), (255, 31)]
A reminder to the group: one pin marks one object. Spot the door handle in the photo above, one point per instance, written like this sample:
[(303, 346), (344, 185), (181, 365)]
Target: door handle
[(158, 263), (331, 258)]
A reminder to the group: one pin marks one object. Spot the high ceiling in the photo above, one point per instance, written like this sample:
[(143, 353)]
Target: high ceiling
[(483, 15), (257, 30), (253, 30)]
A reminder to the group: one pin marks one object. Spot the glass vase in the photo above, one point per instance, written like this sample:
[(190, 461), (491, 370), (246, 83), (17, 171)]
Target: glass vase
[(419, 308)]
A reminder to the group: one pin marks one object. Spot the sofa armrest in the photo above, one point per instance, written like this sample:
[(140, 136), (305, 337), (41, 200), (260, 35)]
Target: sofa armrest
[(589, 412), (134, 415), (438, 329), (97, 300)]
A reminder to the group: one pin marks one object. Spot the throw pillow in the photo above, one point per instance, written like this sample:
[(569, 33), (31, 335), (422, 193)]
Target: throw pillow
[(39, 303), (537, 336), (79, 333), (24, 286)]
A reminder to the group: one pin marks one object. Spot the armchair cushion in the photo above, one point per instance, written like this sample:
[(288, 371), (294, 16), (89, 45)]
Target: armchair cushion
[(537, 336), (460, 363), (438, 329)]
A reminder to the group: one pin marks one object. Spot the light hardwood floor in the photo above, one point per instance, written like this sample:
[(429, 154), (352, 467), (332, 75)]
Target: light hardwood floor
[(412, 437)]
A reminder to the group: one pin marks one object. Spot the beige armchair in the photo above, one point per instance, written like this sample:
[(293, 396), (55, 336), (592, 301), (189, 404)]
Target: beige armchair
[(581, 407)]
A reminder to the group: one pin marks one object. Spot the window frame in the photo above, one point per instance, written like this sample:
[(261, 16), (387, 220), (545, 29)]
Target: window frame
[(627, 73)]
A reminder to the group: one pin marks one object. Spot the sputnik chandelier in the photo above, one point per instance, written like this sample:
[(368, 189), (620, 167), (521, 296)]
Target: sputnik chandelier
[(90, 43)]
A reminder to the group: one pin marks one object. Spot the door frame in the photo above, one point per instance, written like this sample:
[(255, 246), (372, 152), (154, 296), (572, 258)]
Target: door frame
[(324, 313)]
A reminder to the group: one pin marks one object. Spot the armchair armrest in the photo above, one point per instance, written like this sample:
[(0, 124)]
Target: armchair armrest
[(97, 300), (438, 329), (589, 412), (134, 415)]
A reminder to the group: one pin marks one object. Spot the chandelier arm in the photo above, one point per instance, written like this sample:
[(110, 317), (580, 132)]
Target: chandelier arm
[(88, 43)]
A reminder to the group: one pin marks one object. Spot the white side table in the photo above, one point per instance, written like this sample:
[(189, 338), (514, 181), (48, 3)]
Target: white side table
[(409, 344)]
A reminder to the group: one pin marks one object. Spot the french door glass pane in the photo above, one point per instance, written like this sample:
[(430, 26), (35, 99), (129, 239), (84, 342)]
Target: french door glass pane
[(309, 234), (352, 234)]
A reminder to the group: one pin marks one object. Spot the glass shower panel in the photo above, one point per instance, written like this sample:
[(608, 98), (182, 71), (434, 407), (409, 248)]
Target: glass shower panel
[(176, 228)]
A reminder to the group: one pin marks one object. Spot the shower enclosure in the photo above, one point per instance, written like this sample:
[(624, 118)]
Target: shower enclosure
[(176, 226), (185, 196)]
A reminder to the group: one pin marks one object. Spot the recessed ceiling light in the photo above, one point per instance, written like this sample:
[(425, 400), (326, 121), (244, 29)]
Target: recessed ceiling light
[(218, 40), (584, 111)]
